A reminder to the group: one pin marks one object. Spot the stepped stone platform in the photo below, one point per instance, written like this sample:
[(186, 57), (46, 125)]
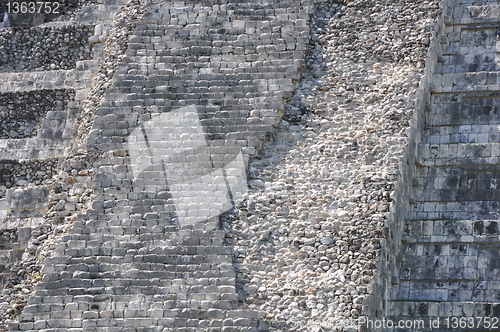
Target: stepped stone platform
[(40, 98), (147, 144), (200, 88), (448, 266)]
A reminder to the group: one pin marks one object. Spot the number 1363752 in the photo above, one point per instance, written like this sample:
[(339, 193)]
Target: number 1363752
[(35, 7)]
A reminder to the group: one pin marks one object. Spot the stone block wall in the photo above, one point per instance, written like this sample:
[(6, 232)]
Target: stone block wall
[(183, 97), (442, 262)]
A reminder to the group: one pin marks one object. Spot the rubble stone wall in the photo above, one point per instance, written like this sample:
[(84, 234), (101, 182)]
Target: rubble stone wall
[(44, 48), (324, 103), (23, 113)]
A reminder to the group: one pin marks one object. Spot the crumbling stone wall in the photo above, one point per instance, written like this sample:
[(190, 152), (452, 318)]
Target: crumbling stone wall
[(454, 203), (18, 174)]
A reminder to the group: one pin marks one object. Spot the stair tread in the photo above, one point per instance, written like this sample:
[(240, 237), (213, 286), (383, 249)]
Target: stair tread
[(458, 239)]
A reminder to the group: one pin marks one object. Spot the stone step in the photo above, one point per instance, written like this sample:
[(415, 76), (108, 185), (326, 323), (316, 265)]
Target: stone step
[(475, 164), (478, 210), (21, 198), (456, 109), (452, 229), (468, 49), (476, 12), (89, 321), (457, 195), (457, 177), (31, 148), (465, 81), (5, 263), (461, 151), (97, 14), (467, 133), (452, 239), (447, 290)]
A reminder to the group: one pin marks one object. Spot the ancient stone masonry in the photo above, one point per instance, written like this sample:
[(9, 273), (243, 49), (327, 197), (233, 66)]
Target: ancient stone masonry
[(447, 265), (129, 190), (47, 72), (214, 78), (44, 48)]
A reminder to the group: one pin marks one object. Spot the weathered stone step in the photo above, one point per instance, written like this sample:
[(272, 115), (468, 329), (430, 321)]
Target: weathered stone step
[(478, 210), (457, 195), (458, 133), (463, 50), (155, 319), (468, 49), (204, 254), (45, 80), (40, 50), (455, 177), (97, 14), (455, 109), (31, 148), (465, 82), (473, 151), (25, 112), (451, 229)]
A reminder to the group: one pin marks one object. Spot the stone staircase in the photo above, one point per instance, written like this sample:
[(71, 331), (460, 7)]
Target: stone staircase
[(450, 267), (129, 282), (133, 262)]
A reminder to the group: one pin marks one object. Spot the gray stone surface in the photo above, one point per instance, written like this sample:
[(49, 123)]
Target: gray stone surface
[(124, 258), (444, 261), (127, 262)]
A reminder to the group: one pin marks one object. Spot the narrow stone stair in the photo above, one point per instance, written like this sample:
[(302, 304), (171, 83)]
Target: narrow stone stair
[(451, 239)]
